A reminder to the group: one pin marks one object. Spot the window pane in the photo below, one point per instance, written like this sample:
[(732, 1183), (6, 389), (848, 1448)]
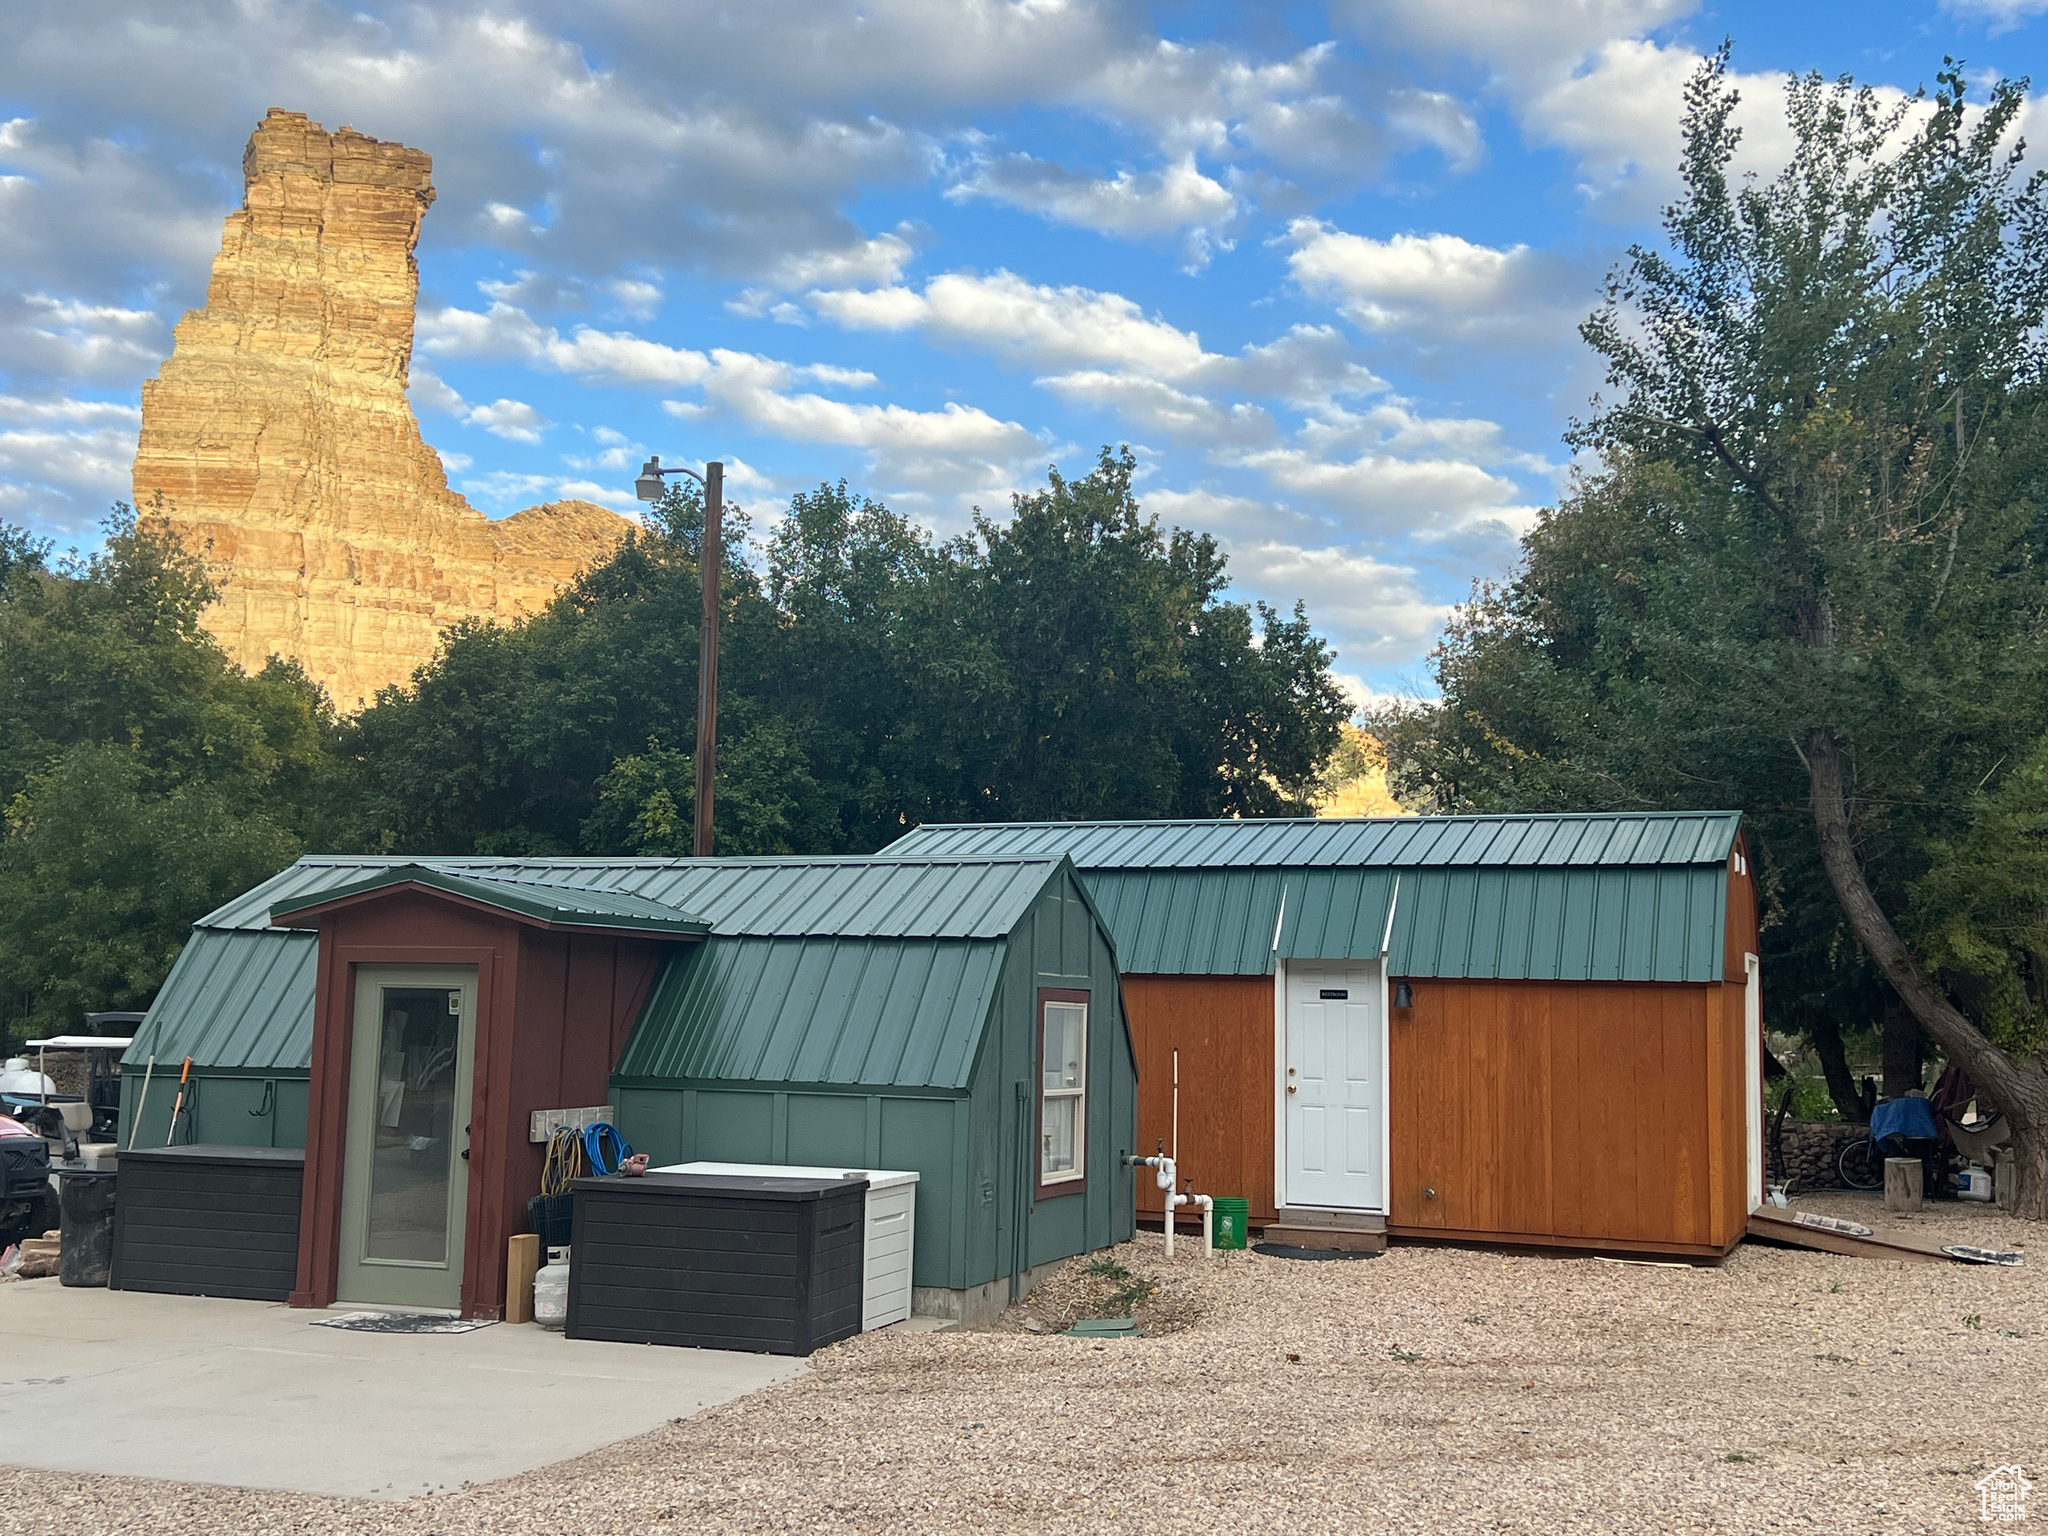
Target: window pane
[(1056, 1138), (414, 1156), (1065, 1033)]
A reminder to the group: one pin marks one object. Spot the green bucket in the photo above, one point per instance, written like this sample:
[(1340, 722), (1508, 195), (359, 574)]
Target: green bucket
[(1232, 1215)]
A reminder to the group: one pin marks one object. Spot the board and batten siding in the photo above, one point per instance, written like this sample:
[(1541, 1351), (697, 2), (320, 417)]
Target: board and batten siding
[(1223, 1026), (1596, 1114), (973, 1197)]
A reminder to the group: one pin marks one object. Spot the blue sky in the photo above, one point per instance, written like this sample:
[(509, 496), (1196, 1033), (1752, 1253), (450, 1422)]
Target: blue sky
[(1319, 265)]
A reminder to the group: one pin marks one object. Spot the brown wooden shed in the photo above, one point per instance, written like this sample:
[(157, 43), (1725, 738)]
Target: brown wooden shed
[(1533, 1029)]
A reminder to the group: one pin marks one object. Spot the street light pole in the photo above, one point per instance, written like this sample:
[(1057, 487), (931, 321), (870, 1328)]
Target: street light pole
[(710, 563)]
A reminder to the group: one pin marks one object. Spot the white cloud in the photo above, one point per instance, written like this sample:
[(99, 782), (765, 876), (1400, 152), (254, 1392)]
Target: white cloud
[(634, 297), (508, 332), (951, 453), (1006, 315), (877, 260), (2004, 15), (63, 461), (512, 419), (1375, 610), (1442, 287), (1175, 200)]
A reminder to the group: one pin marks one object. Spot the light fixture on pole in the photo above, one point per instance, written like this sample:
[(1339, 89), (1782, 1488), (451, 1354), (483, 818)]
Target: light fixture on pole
[(710, 561)]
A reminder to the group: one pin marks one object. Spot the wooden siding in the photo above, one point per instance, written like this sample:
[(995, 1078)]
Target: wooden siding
[(553, 1012), (1587, 1114), (1223, 1026)]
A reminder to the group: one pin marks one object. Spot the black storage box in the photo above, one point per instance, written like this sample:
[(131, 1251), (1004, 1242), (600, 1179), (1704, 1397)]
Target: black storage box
[(718, 1261), (209, 1221)]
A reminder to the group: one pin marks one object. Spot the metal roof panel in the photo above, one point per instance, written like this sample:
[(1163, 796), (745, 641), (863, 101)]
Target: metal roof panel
[(892, 1013), (1619, 839)]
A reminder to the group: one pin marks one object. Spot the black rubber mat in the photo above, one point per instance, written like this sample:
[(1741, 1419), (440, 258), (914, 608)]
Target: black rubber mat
[(1289, 1251), (402, 1322)]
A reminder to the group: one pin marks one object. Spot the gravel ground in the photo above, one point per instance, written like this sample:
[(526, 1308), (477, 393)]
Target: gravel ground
[(1429, 1390)]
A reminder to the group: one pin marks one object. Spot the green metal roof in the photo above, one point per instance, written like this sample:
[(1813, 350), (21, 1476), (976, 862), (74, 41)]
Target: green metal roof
[(1231, 922), (850, 966), (894, 1013), (235, 1001), (936, 898), (542, 901), (1633, 838), (1629, 897)]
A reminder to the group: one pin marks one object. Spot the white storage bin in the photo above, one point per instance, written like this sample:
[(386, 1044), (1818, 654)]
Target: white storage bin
[(891, 1229)]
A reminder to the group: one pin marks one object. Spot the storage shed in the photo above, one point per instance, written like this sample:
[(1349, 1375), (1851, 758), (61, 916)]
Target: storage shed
[(1538, 1029), (405, 1020)]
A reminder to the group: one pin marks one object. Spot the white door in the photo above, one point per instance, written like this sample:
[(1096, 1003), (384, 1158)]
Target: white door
[(1332, 1086)]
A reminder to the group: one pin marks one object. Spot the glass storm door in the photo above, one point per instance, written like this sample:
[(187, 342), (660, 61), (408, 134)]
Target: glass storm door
[(405, 1184), (1332, 1087)]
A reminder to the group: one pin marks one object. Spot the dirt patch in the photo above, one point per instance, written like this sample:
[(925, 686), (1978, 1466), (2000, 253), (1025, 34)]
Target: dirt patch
[(1123, 1282)]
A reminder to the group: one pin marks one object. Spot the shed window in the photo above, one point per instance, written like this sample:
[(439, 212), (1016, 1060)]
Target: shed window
[(1062, 1089)]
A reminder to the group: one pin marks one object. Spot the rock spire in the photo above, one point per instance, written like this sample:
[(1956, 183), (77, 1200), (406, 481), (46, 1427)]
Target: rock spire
[(277, 440)]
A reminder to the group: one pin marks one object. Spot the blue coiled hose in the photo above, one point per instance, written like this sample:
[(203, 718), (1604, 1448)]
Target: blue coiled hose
[(594, 1139)]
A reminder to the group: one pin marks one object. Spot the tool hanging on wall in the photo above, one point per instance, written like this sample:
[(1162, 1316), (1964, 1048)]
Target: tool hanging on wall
[(178, 1106), (141, 1100)]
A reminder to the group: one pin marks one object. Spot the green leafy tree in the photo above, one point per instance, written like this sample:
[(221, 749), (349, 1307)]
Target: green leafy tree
[(1076, 660), (1809, 580), (143, 776)]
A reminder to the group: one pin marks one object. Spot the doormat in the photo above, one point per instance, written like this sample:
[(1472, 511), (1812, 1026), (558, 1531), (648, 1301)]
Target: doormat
[(403, 1322), (1290, 1251)]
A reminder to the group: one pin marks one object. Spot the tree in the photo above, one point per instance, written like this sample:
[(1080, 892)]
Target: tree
[(144, 778), (1809, 579), (1075, 660)]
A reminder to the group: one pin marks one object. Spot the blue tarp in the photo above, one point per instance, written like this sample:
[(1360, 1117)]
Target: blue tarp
[(1903, 1117)]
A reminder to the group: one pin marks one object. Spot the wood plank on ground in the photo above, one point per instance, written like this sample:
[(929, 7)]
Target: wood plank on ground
[(1833, 1234)]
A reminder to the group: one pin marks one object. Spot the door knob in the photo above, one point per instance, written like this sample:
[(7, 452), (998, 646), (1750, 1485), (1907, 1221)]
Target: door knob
[(1291, 1087)]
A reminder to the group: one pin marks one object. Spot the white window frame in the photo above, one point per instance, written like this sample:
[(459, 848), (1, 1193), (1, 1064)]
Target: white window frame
[(1068, 1180)]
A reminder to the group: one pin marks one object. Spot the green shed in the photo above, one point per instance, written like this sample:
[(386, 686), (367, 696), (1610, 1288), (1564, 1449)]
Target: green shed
[(884, 1013)]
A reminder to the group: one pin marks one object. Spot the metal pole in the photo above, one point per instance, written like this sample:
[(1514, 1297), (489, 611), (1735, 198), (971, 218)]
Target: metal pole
[(711, 561)]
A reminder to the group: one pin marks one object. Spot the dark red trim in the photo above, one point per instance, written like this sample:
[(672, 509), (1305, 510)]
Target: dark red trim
[(334, 1011), (1078, 1186)]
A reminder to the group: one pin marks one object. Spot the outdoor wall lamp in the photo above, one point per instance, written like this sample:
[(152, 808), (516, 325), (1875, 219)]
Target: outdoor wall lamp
[(710, 562), (1404, 995)]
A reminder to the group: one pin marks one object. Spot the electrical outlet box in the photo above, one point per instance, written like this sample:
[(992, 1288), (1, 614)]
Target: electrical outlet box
[(548, 1121)]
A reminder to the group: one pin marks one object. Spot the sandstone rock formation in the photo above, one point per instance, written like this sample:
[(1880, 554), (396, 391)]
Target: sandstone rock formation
[(278, 442)]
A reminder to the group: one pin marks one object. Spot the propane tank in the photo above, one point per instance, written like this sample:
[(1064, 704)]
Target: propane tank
[(19, 1078), (551, 1290)]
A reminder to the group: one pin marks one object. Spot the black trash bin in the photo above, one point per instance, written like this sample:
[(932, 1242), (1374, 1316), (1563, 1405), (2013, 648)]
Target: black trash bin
[(85, 1218)]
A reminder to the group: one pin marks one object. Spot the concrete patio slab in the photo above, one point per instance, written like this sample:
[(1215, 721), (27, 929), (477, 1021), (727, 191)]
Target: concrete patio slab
[(249, 1394)]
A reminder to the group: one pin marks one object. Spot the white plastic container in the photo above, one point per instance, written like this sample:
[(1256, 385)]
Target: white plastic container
[(19, 1077), (891, 1229), (551, 1290), (1973, 1183)]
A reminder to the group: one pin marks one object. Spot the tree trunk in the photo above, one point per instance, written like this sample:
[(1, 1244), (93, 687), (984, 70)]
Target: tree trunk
[(1826, 1036), (1902, 1062), (2020, 1088)]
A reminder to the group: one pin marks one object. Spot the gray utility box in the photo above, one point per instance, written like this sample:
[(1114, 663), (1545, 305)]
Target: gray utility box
[(714, 1261), (209, 1221)]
